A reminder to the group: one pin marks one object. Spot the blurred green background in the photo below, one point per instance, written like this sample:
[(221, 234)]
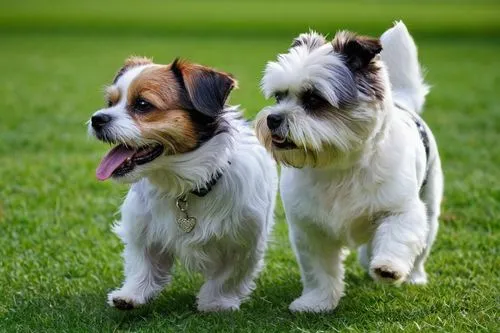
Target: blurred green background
[(58, 257)]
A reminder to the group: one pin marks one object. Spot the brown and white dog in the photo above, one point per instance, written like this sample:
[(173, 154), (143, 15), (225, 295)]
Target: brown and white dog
[(203, 188)]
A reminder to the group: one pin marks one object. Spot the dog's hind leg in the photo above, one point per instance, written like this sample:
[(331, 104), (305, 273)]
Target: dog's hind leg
[(233, 281), (431, 194), (364, 255)]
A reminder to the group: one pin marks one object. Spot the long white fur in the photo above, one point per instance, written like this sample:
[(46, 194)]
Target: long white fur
[(409, 88), (322, 68), (234, 220), (372, 198), (303, 67)]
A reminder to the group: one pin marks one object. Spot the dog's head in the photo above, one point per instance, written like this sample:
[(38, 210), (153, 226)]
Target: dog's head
[(328, 97), (154, 111)]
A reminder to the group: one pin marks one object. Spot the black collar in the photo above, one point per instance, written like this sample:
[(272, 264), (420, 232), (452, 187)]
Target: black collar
[(201, 192)]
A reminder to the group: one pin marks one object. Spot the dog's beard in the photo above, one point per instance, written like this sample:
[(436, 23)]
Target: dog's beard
[(330, 139), (300, 158)]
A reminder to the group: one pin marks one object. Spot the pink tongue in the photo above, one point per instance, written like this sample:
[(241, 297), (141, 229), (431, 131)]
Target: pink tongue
[(113, 159)]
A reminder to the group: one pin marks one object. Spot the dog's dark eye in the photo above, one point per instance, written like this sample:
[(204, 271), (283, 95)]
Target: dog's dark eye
[(109, 103), (141, 105), (311, 100), (279, 96)]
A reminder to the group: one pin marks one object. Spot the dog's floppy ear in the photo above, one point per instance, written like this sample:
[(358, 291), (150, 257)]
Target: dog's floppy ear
[(312, 40), (130, 62), (358, 50), (207, 88)]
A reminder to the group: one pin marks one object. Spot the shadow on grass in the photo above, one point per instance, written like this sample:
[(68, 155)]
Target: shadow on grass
[(365, 305)]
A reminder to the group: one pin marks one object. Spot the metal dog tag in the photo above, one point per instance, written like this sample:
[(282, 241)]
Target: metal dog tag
[(186, 223)]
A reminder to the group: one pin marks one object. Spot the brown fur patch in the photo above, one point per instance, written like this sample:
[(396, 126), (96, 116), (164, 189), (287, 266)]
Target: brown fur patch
[(112, 95), (133, 61), (188, 69), (173, 128), (167, 123), (341, 38), (157, 85)]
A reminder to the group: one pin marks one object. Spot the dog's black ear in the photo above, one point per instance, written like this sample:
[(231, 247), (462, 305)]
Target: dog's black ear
[(311, 39), (358, 50), (207, 88)]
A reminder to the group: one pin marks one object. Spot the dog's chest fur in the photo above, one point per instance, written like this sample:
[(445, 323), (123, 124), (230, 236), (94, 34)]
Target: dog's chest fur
[(217, 232), (345, 205)]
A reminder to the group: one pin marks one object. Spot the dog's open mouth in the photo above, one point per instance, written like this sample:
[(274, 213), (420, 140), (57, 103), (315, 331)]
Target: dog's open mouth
[(282, 142), (122, 159)]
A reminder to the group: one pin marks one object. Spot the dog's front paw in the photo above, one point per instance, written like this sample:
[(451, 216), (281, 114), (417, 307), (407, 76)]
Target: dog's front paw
[(388, 271), (124, 301), (315, 302)]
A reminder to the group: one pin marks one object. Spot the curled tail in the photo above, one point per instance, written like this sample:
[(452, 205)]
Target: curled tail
[(400, 56)]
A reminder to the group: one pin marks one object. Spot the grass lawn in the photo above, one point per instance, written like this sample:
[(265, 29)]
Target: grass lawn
[(58, 257)]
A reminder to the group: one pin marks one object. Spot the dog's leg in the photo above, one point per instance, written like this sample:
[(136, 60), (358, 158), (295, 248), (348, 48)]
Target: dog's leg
[(418, 274), (364, 256), (147, 271), (431, 195), (233, 281), (398, 240), (214, 295), (321, 264)]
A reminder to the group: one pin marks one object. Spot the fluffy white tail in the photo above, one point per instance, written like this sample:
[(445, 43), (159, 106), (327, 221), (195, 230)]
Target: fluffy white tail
[(399, 53)]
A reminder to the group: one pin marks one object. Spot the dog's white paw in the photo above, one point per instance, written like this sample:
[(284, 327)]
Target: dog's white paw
[(418, 277), (124, 300), (314, 301), (388, 271), (217, 305)]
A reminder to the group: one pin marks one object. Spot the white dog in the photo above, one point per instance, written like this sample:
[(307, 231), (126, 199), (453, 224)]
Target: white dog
[(203, 188), (359, 165)]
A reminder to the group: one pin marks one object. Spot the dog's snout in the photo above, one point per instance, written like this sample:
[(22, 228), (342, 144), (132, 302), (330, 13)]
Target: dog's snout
[(274, 121), (100, 120)]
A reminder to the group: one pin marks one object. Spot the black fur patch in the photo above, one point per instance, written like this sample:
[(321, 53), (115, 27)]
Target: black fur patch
[(209, 91), (204, 114), (360, 57), (184, 96), (360, 51)]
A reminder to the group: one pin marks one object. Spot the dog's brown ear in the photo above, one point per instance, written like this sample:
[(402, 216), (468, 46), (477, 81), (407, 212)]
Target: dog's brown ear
[(358, 50), (130, 62), (207, 88)]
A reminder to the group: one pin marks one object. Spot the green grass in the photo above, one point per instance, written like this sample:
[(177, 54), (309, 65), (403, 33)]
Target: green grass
[(58, 257), (237, 18)]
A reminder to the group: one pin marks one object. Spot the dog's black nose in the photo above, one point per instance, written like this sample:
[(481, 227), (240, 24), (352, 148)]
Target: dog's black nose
[(99, 120), (274, 121)]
